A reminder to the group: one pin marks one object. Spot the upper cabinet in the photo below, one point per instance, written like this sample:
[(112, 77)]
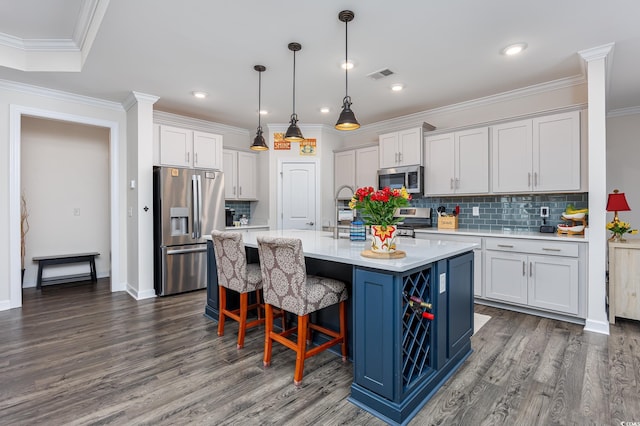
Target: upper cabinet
[(356, 168), (402, 148), (457, 163), (537, 155), (240, 175), (188, 148)]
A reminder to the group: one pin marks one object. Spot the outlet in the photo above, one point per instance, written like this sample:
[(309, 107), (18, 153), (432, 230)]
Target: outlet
[(544, 211), (476, 211), (76, 211)]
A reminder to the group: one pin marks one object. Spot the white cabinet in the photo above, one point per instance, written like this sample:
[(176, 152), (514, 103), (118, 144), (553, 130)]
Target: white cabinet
[(538, 274), (189, 148), (356, 168), (537, 155), (240, 175), (457, 163), (402, 148)]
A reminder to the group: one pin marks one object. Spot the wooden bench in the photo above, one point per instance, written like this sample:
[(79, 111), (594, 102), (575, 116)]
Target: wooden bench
[(66, 258)]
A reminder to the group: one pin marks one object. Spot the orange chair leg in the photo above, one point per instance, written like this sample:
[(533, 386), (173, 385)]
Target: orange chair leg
[(343, 329), (242, 324), (222, 306), (268, 329), (301, 350)]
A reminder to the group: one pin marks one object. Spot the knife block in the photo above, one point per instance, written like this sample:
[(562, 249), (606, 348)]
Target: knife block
[(448, 222)]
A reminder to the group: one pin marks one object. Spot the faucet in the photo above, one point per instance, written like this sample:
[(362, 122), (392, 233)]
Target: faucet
[(336, 233)]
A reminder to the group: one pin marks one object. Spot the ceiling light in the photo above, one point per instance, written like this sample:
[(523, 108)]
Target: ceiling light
[(347, 119), (258, 143), (397, 87), (293, 132), (325, 110), (199, 95), (263, 112), (514, 49), (346, 65)]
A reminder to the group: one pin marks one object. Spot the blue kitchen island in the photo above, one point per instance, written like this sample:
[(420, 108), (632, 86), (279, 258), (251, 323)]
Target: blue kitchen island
[(411, 318)]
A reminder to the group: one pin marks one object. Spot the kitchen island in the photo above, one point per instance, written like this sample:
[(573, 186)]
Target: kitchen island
[(402, 350)]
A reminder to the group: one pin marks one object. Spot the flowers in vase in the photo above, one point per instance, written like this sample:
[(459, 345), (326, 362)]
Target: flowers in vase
[(619, 228), (379, 207)]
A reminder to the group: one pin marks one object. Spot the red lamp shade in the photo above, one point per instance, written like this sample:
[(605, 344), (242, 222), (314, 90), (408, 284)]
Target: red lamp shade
[(617, 202)]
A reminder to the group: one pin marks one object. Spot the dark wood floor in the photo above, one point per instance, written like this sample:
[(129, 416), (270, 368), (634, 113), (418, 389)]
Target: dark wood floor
[(82, 355)]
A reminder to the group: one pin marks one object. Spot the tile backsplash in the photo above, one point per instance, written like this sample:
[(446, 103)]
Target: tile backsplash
[(241, 208), (517, 212)]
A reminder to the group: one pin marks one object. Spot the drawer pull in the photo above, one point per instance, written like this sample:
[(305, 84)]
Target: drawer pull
[(551, 249), (523, 270), (505, 245)]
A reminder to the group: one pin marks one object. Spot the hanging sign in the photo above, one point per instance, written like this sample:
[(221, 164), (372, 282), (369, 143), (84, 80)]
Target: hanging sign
[(308, 147), (279, 143)]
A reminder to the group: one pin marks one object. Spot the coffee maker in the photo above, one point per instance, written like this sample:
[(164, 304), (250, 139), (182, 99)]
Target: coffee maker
[(229, 215)]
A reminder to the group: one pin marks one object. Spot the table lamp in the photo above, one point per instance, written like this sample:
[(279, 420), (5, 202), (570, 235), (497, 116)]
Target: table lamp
[(617, 202)]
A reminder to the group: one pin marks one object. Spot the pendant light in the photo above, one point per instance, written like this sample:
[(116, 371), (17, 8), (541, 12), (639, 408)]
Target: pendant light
[(293, 132), (258, 143), (347, 119)]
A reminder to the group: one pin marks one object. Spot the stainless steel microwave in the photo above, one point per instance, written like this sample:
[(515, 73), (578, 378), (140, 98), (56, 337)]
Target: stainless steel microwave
[(411, 177)]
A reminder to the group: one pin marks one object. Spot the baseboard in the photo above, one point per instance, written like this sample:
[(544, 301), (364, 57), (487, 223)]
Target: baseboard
[(146, 294), (594, 326), (5, 305)]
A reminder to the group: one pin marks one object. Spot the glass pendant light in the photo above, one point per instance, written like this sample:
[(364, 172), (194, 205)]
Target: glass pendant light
[(293, 132), (347, 119), (258, 143)]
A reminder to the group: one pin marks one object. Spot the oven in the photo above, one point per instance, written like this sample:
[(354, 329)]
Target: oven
[(413, 218)]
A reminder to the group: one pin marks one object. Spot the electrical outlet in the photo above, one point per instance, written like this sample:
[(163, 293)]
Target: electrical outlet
[(476, 211), (544, 211)]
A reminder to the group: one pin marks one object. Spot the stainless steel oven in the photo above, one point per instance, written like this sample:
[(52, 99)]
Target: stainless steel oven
[(411, 177)]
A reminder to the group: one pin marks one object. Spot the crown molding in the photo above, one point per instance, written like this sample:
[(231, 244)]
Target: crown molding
[(418, 118), (170, 119), (621, 112), (138, 97), (59, 95)]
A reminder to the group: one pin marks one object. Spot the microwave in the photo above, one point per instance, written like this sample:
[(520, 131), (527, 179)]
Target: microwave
[(411, 177)]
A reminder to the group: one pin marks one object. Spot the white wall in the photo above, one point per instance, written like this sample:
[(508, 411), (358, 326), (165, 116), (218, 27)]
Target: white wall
[(65, 166), (623, 164)]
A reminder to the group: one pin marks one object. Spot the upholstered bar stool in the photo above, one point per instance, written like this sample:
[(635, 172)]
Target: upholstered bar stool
[(234, 273), (287, 286)]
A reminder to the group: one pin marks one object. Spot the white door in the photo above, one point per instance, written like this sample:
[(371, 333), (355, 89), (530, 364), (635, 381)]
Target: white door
[(299, 196)]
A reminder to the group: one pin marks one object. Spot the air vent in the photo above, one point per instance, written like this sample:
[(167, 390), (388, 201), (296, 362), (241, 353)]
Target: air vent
[(377, 75)]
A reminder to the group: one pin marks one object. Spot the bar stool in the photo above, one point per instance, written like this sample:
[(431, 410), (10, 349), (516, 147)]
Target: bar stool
[(235, 274), (287, 286)]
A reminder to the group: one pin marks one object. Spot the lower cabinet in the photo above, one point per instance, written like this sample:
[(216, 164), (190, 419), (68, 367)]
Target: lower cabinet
[(520, 272)]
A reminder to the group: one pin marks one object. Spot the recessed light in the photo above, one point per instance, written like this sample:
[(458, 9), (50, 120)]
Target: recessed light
[(264, 112), (513, 49), (199, 95), (397, 87), (348, 65), (325, 110)]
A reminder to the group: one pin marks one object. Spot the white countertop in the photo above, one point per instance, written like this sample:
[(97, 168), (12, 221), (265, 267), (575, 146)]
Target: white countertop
[(505, 233), (322, 245), (233, 228)]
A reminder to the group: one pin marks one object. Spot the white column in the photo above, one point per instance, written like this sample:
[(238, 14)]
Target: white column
[(140, 195), (596, 59)]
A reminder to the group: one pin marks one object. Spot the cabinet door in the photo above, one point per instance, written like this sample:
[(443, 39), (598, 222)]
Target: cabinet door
[(388, 145), (460, 303), (410, 147), (511, 145), (472, 161), (367, 167), (556, 152), (553, 283), (207, 150), (439, 162), (506, 277), (229, 167), (344, 169), (175, 146), (247, 176)]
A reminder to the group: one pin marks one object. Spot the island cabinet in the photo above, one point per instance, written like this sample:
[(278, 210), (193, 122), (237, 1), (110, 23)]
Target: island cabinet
[(401, 356), (457, 163), (189, 148), (536, 274), (403, 148)]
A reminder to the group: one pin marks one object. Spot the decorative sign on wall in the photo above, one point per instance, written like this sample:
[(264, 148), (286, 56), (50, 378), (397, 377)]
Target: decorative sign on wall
[(308, 147), (279, 143)]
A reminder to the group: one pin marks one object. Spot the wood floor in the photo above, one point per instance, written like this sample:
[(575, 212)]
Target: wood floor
[(81, 355)]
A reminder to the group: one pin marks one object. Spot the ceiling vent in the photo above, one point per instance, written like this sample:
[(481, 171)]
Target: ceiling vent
[(377, 75)]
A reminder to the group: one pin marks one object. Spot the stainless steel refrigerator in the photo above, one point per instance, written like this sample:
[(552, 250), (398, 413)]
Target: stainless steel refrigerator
[(188, 204)]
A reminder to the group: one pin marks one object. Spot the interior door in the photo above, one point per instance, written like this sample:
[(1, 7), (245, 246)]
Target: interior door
[(298, 195)]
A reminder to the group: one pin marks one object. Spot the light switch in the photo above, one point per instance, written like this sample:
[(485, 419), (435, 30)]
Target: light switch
[(443, 282), (132, 184)]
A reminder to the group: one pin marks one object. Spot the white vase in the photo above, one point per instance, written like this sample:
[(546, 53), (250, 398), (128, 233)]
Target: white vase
[(383, 238)]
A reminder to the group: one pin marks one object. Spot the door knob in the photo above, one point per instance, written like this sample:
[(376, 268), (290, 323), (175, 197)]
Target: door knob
[(310, 223)]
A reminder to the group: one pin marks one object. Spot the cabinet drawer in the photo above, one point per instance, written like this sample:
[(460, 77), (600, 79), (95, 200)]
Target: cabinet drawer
[(533, 247)]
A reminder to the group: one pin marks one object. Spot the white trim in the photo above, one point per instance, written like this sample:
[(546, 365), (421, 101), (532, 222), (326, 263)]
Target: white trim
[(15, 134), (623, 112), (136, 97), (601, 327), (146, 294), (169, 119)]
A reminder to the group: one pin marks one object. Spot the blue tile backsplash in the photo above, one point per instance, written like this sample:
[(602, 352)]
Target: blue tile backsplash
[(241, 208), (497, 212)]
